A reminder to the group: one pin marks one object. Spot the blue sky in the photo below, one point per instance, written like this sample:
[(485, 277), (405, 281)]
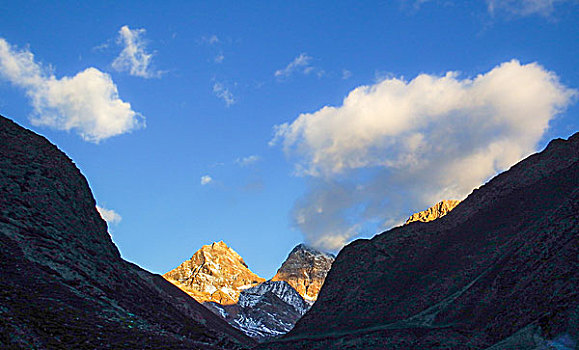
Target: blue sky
[(265, 124)]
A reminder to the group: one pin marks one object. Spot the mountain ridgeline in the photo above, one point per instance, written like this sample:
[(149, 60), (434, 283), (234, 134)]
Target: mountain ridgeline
[(499, 271), (63, 282)]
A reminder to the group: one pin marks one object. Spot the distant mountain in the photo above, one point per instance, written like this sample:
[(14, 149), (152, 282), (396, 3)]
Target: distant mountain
[(500, 271), (63, 284), (305, 269), (219, 278), (437, 211), (215, 273)]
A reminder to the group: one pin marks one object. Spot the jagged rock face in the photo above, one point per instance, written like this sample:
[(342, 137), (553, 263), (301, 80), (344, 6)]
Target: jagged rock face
[(498, 272), (62, 281), (264, 311), (305, 269), (215, 273), (439, 210), (252, 296)]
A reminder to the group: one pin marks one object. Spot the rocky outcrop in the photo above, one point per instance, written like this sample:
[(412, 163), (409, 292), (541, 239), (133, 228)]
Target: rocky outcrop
[(305, 269), (437, 211), (497, 272), (264, 311), (215, 273), (63, 284)]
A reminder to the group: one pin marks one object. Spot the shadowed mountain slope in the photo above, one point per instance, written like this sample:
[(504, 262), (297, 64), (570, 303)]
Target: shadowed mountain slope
[(267, 310), (499, 271), (63, 283)]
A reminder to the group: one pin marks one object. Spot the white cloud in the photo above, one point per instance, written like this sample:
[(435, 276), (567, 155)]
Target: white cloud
[(134, 58), (206, 179), (87, 103), (249, 160), (523, 7), (223, 93), (402, 144), (110, 216), (299, 64)]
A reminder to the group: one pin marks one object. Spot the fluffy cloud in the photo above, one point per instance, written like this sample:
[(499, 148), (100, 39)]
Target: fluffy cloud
[(206, 179), (87, 103), (249, 160), (399, 145), (110, 216), (134, 58), (223, 93), (523, 7), (299, 64)]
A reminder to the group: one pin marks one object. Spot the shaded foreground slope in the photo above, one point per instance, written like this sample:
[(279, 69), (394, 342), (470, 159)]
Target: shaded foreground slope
[(498, 272), (63, 283)]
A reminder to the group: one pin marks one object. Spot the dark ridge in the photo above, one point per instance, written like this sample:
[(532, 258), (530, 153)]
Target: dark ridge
[(499, 271), (63, 283)]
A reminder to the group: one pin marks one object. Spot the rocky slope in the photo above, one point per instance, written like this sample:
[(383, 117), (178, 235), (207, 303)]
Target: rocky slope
[(499, 271), (264, 311), (215, 273), (437, 211), (63, 284), (305, 269)]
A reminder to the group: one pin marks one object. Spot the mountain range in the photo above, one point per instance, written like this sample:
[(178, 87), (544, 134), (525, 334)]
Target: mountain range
[(219, 278), (497, 272)]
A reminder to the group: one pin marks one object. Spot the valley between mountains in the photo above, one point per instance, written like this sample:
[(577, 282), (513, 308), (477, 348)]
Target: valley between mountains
[(497, 271), (218, 278)]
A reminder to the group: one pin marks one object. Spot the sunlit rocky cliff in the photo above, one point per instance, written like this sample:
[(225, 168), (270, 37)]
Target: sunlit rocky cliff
[(214, 273), (437, 211), (305, 269)]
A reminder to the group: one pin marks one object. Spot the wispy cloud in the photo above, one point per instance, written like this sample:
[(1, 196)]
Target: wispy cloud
[(87, 103), (402, 144), (300, 64), (223, 93), (206, 179), (109, 215), (134, 57), (211, 39), (249, 160), (524, 8), (346, 74), (219, 58)]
